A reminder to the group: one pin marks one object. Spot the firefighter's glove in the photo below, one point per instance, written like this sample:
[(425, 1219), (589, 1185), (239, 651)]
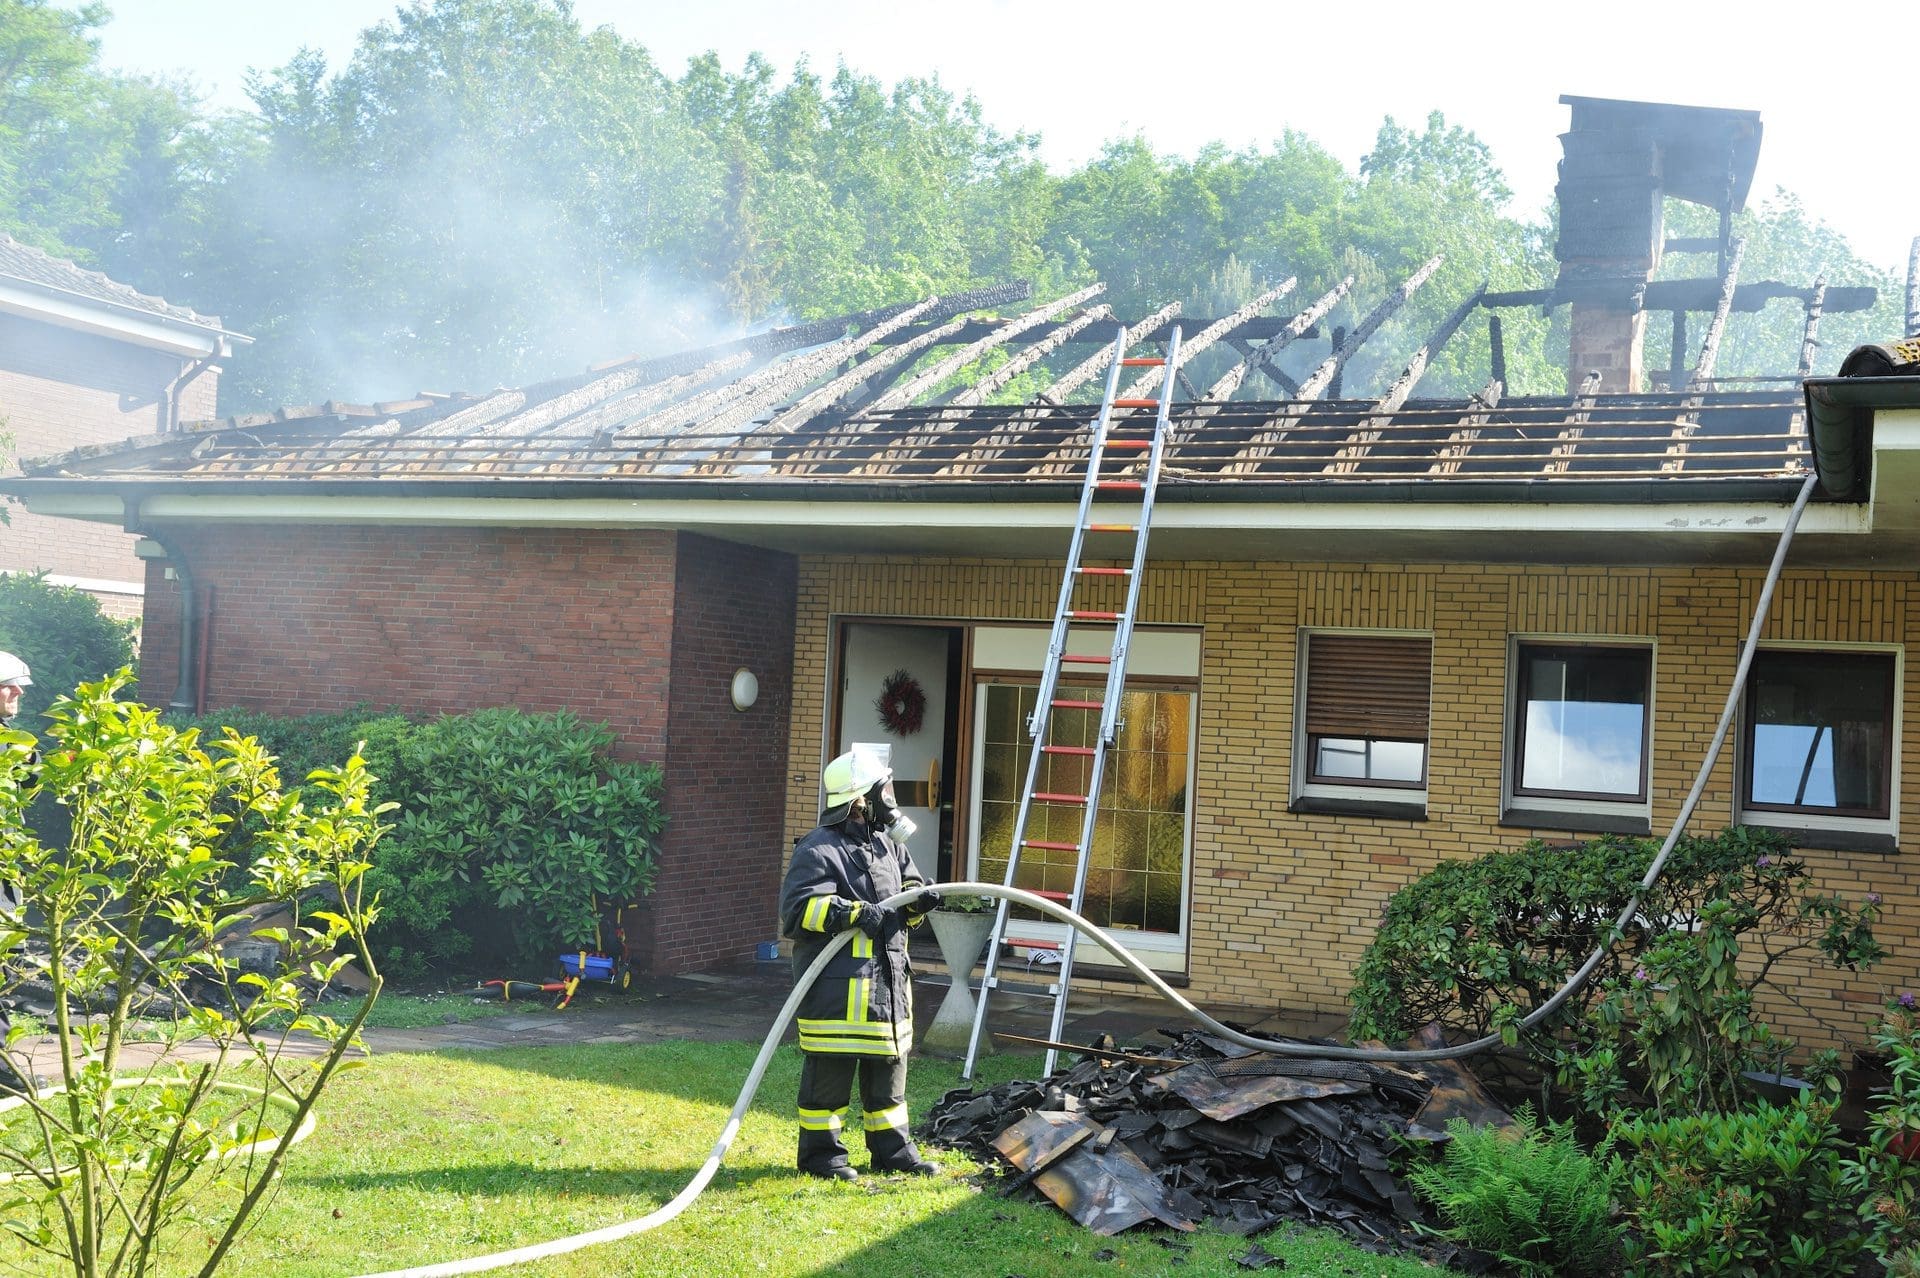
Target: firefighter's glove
[(875, 920), (926, 903)]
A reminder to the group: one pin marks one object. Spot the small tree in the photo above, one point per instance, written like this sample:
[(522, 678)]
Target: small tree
[(132, 911)]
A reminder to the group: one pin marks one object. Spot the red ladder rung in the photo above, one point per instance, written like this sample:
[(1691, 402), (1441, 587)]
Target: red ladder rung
[(1079, 705), (1044, 797), (1136, 403), (1113, 528), (1082, 614), (1051, 847), (1066, 750), (1086, 660), (1121, 485), (1104, 572), (1143, 361), (1129, 443)]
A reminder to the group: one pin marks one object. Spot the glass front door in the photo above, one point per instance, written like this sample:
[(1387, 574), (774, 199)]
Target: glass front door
[(1137, 876)]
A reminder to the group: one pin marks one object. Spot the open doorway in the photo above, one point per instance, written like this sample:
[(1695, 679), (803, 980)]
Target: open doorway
[(899, 685)]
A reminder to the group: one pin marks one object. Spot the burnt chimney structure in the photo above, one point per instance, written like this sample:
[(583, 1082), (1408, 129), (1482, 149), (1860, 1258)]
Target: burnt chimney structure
[(1620, 161)]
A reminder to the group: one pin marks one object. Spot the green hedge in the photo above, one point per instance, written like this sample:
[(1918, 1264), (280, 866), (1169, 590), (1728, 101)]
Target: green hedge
[(509, 829), (63, 637)]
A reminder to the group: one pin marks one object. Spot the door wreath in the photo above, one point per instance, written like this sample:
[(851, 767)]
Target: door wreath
[(902, 704)]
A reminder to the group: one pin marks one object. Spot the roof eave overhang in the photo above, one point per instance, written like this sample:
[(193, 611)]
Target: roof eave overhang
[(1724, 522), (122, 323)]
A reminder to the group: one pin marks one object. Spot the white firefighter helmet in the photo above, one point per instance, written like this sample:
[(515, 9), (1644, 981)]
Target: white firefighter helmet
[(852, 774), (14, 672)]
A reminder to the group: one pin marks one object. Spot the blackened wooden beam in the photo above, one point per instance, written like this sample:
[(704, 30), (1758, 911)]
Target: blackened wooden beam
[(1452, 454), (1717, 328), (1687, 424), (945, 368), (1677, 361), (1033, 354), (1088, 368), (1192, 344), (1496, 350), (1246, 350), (1704, 295), (721, 426), (1566, 442), (1361, 441), (1913, 289), (1247, 460), (1262, 358), (1810, 335)]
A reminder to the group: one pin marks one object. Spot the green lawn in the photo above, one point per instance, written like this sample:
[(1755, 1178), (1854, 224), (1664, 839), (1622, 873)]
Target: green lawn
[(430, 1158)]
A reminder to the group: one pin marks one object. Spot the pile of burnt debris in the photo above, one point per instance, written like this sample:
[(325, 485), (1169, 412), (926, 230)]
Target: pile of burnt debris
[(1209, 1132)]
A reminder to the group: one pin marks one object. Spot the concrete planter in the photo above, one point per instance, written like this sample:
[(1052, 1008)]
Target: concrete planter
[(963, 938)]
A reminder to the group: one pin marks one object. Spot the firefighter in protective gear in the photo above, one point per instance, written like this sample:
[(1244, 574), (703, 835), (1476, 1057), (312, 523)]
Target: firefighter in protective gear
[(857, 1020)]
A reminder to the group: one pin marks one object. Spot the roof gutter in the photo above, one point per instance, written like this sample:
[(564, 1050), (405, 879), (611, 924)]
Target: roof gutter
[(1840, 412)]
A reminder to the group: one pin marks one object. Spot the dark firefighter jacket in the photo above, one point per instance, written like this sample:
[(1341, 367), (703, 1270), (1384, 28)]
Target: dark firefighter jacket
[(862, 1005)]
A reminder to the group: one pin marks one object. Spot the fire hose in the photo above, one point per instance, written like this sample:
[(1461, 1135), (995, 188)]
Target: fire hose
[(1014, 896)]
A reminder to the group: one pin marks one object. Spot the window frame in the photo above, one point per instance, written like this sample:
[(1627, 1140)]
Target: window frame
[(1313, 791), (1607, 811), (1803, 819)]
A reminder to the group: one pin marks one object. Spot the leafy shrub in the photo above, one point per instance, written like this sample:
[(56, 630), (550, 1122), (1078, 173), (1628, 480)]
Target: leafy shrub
[(1476, 944), (63, 636), (1760, 1192), (1534, 1199), (513, 826), (1884, 1175), (122, 1165), (509, 827)]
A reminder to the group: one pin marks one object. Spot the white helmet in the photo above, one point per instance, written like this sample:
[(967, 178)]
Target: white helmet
[(14, 672), (852, 774)]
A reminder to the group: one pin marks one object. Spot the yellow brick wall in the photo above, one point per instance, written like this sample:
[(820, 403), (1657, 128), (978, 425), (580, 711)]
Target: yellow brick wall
[(1284, 903)]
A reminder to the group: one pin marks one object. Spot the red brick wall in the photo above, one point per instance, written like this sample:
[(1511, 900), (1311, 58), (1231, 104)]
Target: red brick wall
[(632, 628), (60, 389), (726, 788)]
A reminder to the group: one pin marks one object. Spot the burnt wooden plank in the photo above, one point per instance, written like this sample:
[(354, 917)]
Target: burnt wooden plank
[(1262, 357), (1088, 368), (1033, 354), (1348, 459), (953, 363), (1261, 445)]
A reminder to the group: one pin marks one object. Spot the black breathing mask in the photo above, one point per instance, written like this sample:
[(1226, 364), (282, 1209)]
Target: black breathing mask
[(884, 811)]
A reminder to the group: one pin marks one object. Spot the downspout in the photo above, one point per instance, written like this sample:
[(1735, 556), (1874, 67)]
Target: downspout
[(179, 385), (186, 692)]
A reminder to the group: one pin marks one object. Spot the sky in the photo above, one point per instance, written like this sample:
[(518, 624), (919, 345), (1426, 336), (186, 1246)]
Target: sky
[(1079, 73)]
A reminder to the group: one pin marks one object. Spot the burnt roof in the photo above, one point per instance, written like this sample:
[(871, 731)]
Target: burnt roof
[(870, 401)]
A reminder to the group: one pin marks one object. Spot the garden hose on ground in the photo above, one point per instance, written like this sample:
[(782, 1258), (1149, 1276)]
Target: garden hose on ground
[(680, 1201)]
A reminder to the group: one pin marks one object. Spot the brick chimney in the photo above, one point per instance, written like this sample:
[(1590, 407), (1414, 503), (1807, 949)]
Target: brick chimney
[(1620, 162)]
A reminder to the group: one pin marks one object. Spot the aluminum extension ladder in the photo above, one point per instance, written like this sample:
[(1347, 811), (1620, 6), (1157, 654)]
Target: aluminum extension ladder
[(1125, 440)]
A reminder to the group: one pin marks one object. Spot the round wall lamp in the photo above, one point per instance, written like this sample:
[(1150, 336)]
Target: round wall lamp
[(745, 689)]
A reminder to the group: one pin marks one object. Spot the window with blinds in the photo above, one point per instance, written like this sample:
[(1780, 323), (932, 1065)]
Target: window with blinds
[(1366, 701)]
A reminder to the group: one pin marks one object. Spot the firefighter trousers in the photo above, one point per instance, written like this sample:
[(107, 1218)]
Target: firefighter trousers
[(826, 1086)]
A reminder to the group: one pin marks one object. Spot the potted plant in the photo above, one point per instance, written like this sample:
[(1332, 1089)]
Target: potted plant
[(961, 925)]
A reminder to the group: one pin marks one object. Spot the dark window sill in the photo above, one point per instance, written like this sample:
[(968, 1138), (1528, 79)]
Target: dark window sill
[(1327, 806), (1577, 822), (1831, 840)]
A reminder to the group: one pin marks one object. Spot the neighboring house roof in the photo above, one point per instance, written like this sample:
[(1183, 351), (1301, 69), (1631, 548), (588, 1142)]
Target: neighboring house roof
[(853, 432), (62, 292)]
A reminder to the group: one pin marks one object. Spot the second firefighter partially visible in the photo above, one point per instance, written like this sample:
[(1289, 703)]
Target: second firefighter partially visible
[(857, 1020)]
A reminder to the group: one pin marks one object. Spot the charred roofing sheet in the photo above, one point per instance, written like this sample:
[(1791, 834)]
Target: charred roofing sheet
[(1641, 437)]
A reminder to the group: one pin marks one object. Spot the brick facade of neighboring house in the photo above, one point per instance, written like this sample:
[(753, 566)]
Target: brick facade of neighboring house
[(86, 361), (641, 630)]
